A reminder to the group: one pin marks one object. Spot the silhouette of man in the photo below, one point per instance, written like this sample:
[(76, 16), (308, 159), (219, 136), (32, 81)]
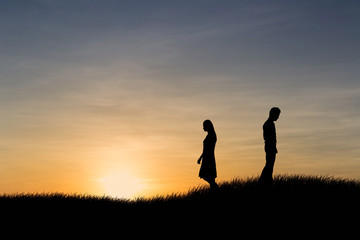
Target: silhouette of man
[(269, 133)]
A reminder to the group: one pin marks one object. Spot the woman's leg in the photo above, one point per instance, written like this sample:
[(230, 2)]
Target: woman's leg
[(212, 183)]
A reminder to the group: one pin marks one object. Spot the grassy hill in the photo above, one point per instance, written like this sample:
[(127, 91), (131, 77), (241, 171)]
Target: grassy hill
[(286, 190), (291, 201)]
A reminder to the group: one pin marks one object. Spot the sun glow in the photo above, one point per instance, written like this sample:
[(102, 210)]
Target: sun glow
[(122, 184)]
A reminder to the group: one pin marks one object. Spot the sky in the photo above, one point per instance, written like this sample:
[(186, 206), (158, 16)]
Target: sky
[(108, 97)]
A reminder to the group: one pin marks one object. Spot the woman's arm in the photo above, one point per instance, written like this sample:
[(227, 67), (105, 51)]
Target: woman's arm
[(199, 160)]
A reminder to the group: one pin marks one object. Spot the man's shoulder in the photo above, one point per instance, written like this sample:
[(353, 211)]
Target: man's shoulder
[(268, 123)]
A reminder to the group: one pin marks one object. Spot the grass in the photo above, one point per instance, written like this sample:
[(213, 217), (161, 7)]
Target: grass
[(291, 188), (247, 188), (291, 199)]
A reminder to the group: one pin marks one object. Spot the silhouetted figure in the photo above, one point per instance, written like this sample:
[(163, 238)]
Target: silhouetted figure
[(269, 133), (208, 165)]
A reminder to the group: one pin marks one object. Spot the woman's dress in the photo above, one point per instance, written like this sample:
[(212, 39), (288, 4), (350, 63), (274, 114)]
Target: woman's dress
[(208, 165)]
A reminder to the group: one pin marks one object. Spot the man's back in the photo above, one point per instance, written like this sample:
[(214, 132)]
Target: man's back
[(269, 134)]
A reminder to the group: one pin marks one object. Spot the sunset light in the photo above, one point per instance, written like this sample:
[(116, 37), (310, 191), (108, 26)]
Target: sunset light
[(109, 97), (122, 185)]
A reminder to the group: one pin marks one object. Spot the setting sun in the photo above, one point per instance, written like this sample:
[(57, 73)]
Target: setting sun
[(122, 184)]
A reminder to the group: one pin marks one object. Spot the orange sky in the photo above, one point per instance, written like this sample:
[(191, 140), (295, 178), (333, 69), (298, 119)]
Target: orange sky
[(104, 97)]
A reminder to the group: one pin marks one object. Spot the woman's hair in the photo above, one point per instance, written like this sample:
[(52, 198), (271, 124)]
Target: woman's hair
[(209, 126)]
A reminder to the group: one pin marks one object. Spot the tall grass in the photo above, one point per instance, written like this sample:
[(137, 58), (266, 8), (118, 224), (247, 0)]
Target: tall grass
[(293, 206), (245, 188), (292, 200)]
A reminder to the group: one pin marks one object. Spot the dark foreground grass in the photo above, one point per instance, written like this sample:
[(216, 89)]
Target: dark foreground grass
[(293, 201), (286, 190)]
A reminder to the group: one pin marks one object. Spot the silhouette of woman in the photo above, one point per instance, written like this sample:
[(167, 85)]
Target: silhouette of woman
[(208, 165)]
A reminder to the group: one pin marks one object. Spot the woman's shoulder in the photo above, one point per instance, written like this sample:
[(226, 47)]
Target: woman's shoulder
[(211, 137)]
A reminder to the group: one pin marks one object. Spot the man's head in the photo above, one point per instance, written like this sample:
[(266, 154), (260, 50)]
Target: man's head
[(274, 113)]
